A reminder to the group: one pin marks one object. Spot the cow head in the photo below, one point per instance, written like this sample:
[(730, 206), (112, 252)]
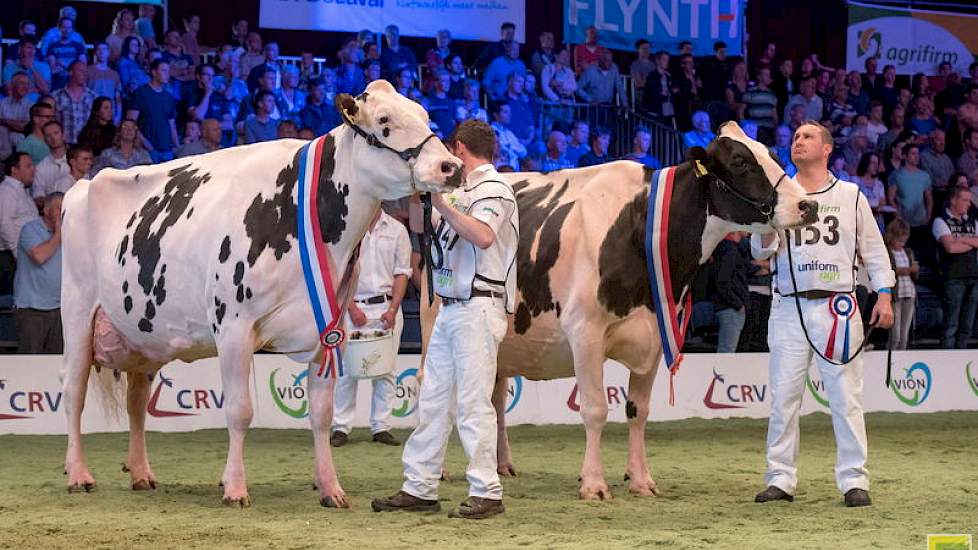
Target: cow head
[(747, 187), (404, 155)]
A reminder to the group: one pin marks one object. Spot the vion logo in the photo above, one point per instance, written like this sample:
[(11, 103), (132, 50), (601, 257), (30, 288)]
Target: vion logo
[(915, 386), (972, 381), (617, 396), (720, 395), (514, 390), (292, 393), (406, 388), (870, 43), (817, 389), (29, 402), (168, 396)]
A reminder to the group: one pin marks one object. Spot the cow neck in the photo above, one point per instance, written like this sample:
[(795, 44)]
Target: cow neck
[(687, 225)]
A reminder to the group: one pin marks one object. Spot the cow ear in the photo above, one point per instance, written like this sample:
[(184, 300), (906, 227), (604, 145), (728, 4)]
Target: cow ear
[(347, 106), (701, 160)]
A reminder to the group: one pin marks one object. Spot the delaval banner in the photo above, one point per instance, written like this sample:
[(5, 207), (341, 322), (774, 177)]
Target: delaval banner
[(913, 41), (664, 23), (467, 20)]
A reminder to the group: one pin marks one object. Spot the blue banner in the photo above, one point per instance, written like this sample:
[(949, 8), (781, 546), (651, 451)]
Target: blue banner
[(664, 23)]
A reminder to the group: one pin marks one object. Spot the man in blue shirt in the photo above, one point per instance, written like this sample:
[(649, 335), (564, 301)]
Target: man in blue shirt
[(154, 110), (600, 140), (62, 53), (641, 141), (318, 115), (701, 134), (37, 283), (498, 74), (395, 57)]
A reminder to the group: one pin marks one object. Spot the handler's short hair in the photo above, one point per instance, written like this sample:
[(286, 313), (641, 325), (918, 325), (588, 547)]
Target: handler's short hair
[(826, 134), (477, 136)]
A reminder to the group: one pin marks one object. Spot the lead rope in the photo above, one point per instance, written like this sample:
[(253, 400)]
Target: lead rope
[(427, 241)]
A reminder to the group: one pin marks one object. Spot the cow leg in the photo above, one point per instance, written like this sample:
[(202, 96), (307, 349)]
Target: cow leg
[(78, 361), (504, 458), (589, 368), (137, 395), (640, 481), (321, 417), (235, 355)]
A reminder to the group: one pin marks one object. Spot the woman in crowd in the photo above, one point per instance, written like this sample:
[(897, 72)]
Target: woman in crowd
[(904, 294), (289, 96), (126, 151), (99, 131), (123, 26), (104, 80), (867, 177), (735, 90), (131, 71)]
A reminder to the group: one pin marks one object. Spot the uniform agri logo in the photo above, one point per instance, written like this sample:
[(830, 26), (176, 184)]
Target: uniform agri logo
[(870, 42), (31, 402), (406, 388), (915, 385), (168, 396), (720, 395), (972, 381), (291, 393)]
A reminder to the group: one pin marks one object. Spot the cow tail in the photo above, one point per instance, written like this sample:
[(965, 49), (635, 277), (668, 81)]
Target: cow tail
[(110, 386)]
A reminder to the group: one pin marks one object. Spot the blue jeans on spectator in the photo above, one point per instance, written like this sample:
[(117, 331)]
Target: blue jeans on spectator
[(161, 156), (960, 304), (731, 322)]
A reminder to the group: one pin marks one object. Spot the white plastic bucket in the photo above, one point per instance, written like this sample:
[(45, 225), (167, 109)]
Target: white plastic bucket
[(370, 351)]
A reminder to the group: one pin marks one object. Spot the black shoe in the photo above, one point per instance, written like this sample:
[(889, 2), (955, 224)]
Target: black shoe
[(478, 508), (338, 439), (405, 502), (857, 497), (386, 438), (773, 493)]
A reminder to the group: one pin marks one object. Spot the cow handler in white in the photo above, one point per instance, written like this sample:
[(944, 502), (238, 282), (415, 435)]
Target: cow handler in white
[(825, 257), (476, 280), (385, 266)]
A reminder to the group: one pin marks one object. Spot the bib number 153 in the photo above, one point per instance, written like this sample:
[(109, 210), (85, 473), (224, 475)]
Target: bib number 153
[(826, 231)]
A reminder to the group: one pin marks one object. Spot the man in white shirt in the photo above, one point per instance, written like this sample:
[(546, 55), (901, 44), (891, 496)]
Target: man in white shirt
[(14, 114), (80, 161), (385, 266), (814, 308), (475, 277), (54, 166), (16, 209)]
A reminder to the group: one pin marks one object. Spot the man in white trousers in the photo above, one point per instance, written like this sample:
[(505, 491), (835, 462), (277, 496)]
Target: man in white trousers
[(819, 277), (475, 276), (385, 266)]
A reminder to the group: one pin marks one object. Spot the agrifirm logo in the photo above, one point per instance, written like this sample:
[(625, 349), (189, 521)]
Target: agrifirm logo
[(914, 387), (290, 398), (25, 403), (170, 400), (816, 387), (720, 395), (972, 379), (406, 387), (870, 42), (908, 43), (948, 542)]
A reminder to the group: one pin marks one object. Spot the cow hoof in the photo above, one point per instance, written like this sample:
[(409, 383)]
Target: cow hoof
[(445, 476), (646, 488), (244, 501), (595, 491), (334, 501), (125, 468), (87, 486), (147, 484), (506, 470)]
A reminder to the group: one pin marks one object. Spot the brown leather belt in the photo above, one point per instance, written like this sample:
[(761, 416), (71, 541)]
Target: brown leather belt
[(475, 294), (812, 294)]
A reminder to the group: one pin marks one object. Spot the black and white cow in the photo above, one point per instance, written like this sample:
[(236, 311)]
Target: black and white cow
[(584, 292), (198, 257)]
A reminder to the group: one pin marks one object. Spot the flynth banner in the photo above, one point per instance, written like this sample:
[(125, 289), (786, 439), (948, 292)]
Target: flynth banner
[(664, 23), (189, 397), (466, 20), (913, 41)]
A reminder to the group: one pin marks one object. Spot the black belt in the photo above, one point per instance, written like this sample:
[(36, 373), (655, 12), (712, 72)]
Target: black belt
[(374, 300), (811, 294), (475, 294)]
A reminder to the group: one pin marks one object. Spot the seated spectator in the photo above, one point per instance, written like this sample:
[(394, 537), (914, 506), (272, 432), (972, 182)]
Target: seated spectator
[(968, 161), (404, 83), (590, 52), (491, 51), (579, 143), (395, 58), (14, 114), (349, 75), (934, 161), (306, 134), (923, 121), (289, 96), (253, 57), (470, 99), (154, 110), (37, 284), (206, 101), (80, 162), (16, 209), (807, 98), (522, 120), (856, 145), (956, 232), (144, 25), (41, 113), (498, 73), (209, 140), (641, 142), (127, 149), (235, 93), (73, 103), (910, 191), (530, 89), (98, 132), (837, 166), (307, 70), (761, 105), (53, 166), (701, 135), (123, 27), (25, 29), (557, 81), (441, 108), (782, 149), (511, 151), (456, 71), (191, 132), (265, 83), (62, 53), (544, 55), (437, 58), (657, 98), (54, 34), (896, 131), (858, 97), (556, 148), (599, 83), (598, 154), (731, 265), (875, 127), (371, 71), (38, 73), (287, 130), (262, 127), (642, 66), (370, 53), (131, 72), (318, 115)]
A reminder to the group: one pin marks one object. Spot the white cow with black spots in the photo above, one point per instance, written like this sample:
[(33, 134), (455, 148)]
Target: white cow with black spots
[(198, 257)]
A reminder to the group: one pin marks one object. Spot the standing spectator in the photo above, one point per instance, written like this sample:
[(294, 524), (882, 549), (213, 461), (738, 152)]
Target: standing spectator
[(910, 191), (715, 73), (132, 75), (923, 121), (731, 262), (904, 294), (123, 26), (784, 84), (736, 87), (886, 91), (191, 27), (934, 161), (395, 58), (14, 114), (761, 105), (869, 183), (579, 144), (871, 79), (37, 284), (271, 63), (858, 98), (210, 139), (955, 230), (26, 29), (590, 52), (767, 59), (127, 149), (16, 209), (507, 34), (33, 144), (897, 128), (80, 161), (782, 149), (875, 127), (205, 101), (511, 151), (404, 83), (144, 25), (239, 36), (456, 70), (261, 127), (641, 141), (496, 76), (642, 66), (98, 132), (441, 108), (154, 110), (701, 135), (855, 147), (317, 115), (253, 57), (657, 96), (598, 154), (687, 95), (53, 34), (349, 75), (182, 66), (544, 55), (968, 161), (557, 81), (38, 73), (599, 86), (370, 53), (436, 58), (104, 80), (807, 98), (289, 96), (74, 101), (556, 149), (522, 121), (54, 166), (307, 70), (753, 337), (62, 53)]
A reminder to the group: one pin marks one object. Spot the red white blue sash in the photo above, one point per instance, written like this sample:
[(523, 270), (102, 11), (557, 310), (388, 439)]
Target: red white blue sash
[(842, 306), (672, 318), (317, 263)]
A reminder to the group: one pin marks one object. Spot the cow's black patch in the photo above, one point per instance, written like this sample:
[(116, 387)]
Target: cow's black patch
[(270, 223), (543, 216), (145, 325), (217, 277), (159, 290), (631, 411), (213, 328), (123, 247), (238, 273), (125, 286), (387, 132), (225, 250), (189, 213), (240, 294), (220, 310), (248, 293), (150, 310), (331, 197), (624, 281), (557, 309), (132, 220), (127, 303)]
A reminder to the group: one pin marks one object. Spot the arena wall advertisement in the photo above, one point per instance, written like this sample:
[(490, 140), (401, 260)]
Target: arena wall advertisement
[(466, 20), (913, 41), (664, 23), (189, 397)]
